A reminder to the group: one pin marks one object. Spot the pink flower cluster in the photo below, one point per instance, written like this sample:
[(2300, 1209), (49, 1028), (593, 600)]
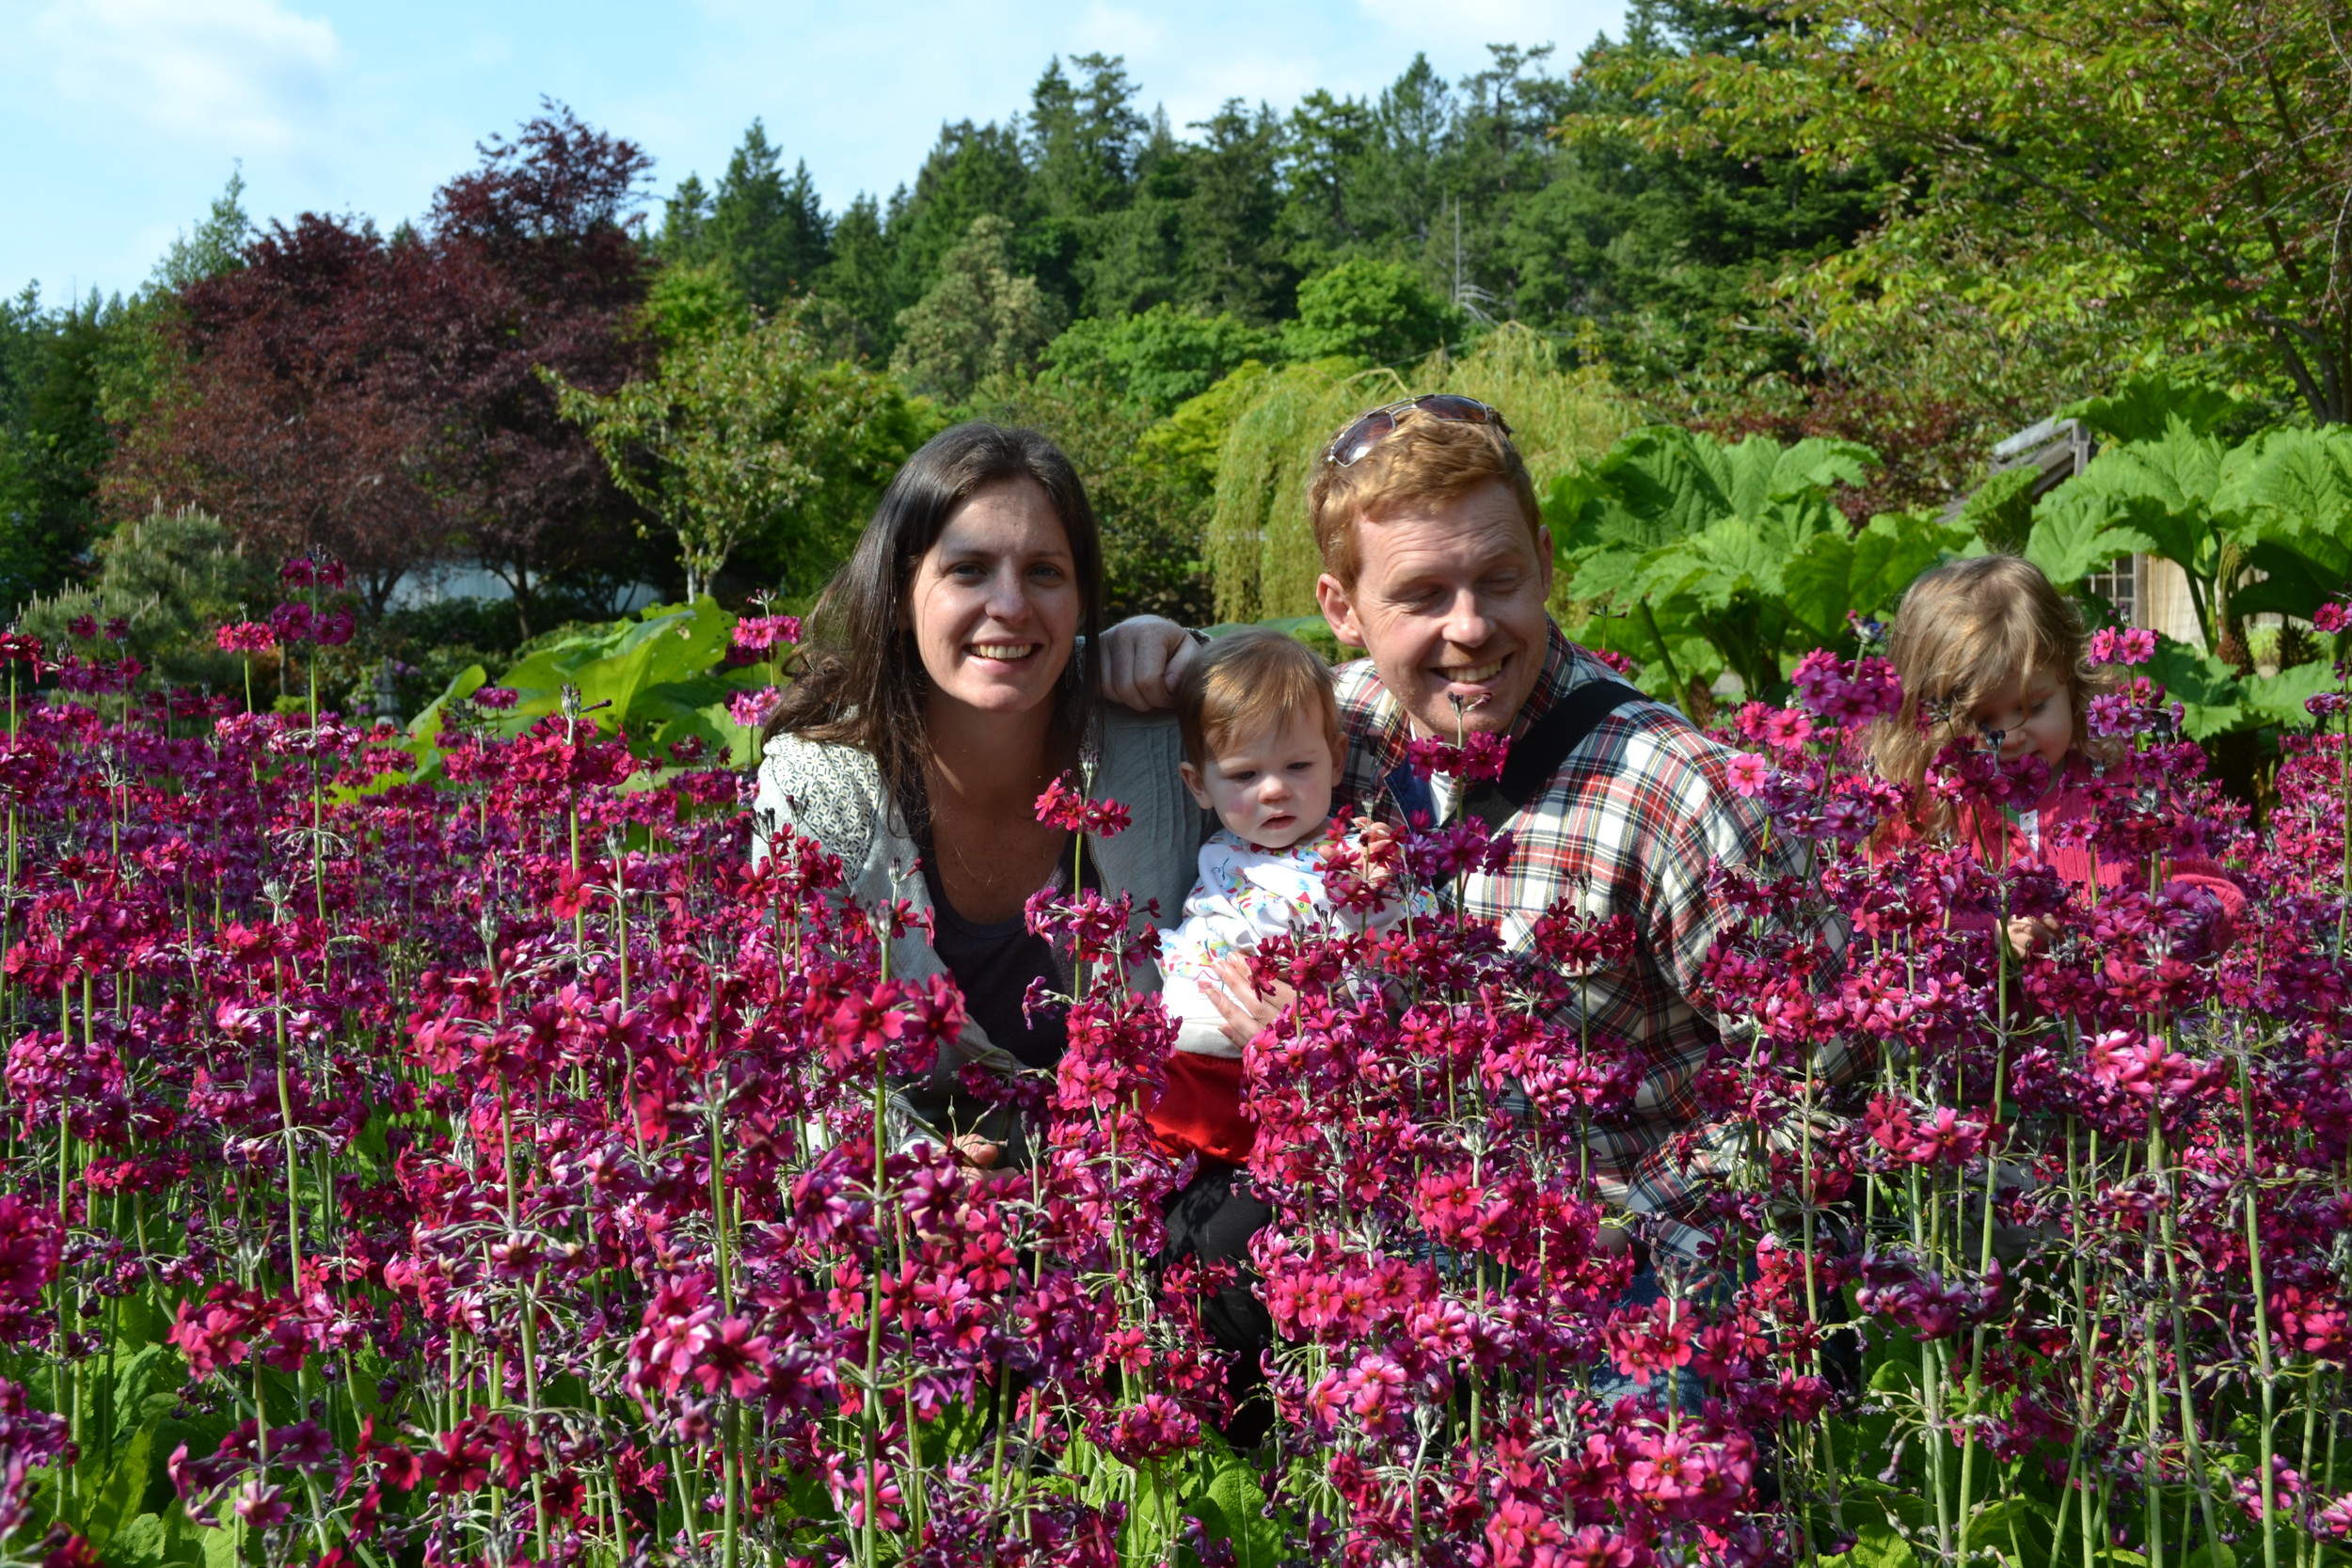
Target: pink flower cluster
[(507, 1169)]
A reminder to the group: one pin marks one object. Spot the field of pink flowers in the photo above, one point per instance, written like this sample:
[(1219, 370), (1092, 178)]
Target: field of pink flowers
[(484, 1172)]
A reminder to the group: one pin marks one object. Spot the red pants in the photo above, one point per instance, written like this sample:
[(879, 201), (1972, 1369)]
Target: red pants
[(1200, 1108)]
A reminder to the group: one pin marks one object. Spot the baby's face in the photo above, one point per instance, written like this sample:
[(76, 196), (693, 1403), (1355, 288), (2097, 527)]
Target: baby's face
[(1274, 787)]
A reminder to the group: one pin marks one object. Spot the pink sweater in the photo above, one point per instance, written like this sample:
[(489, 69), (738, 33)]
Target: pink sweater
[(2071, 804)]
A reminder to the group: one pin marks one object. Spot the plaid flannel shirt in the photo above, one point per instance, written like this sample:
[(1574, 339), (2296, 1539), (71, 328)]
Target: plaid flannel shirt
[(1630, 824)]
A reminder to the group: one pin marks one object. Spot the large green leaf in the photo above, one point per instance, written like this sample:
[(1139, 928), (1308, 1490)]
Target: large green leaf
[(1877, 1546), (2017, 1530), (2289, 492), (1834, 573), (2000, 511), (2279, 699), (1676, 528), (2151, 403), (2165, 488), (1230, 1503), (2207, 689), (1763, 471), (2075, 533)]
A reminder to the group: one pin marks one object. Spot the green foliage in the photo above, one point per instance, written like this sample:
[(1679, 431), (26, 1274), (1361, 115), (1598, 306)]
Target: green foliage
[(2000, 511), (54, 437), (1671, 247), (2153, 159), (978, 320), (692, 300), (763, 232), (2261, 527), (215, 245), (736, 435), (1378, 312), (1152, 507), (1695, 557), (2148, 402), (1161, 357), (174, 577), (1260, 550), (660, 677)]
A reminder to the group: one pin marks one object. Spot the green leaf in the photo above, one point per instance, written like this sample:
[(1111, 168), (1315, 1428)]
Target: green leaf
[(1230, 1503), (2279, 699), (2151, 403), (118, 1496), (2207, 689), (1876, 1545), (2016, 1528), (1834, 573), (2165, 488), (2213, 1554), (2075, 533), (153, 1373), (2000, 511), (140, 1541)]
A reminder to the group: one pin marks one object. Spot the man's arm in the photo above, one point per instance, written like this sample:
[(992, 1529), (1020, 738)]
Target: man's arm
[(1143, 657)]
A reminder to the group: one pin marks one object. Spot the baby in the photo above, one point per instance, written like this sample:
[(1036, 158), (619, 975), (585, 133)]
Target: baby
[(1263, 750)]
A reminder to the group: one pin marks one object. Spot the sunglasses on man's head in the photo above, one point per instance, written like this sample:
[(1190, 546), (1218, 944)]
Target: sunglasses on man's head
[(1375, 427)]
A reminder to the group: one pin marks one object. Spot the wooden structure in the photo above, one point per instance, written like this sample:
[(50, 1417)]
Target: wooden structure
[(2146, 590)]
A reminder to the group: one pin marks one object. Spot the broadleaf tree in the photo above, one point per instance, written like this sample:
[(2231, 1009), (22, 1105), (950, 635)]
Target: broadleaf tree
[(2189, 156), (736, 430)]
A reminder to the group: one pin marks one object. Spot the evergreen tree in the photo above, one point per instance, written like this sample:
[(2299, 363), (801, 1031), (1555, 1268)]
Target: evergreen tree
[(217, 245), (1232, 251), (1081, 143), (768, 230), (862, 279), (53, 440), (1138, 256), (685, 222), (974, 171)]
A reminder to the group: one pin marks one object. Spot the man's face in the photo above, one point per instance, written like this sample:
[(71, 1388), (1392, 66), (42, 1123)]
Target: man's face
[(1449, 602)]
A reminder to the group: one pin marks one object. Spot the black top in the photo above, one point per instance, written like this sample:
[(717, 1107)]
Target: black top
[(994, 964)]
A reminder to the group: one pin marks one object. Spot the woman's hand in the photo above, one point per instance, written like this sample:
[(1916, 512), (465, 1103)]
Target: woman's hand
[(1247, 1011), (976, 1152)]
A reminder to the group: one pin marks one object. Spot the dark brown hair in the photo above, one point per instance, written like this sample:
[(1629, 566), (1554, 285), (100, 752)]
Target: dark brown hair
[(1423, 459), (1246, 680), (860, 681)]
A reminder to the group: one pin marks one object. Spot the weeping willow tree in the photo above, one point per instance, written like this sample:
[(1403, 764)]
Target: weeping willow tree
[(1261, 548)]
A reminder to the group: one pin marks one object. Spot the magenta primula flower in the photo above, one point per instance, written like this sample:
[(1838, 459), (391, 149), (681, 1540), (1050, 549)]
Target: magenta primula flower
[(246, 636)]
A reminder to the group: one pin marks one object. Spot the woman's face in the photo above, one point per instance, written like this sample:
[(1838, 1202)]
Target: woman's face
[(994, 603)]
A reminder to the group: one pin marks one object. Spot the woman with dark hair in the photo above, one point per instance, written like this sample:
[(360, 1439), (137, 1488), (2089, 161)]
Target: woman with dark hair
[(944, 686)]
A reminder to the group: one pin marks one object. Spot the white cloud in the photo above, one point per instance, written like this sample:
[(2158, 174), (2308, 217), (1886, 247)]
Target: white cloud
[(241, 75)]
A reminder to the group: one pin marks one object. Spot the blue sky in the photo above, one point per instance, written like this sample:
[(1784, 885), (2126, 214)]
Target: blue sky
[(125, 117)]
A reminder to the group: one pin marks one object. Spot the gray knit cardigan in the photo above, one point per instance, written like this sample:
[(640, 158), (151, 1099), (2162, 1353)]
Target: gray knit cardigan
[(834, 795)]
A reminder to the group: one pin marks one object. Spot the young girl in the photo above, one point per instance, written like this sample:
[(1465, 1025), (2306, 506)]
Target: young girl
[(1988, 647)]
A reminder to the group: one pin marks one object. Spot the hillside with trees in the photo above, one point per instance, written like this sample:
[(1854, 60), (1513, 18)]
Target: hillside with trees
[(550, 375)]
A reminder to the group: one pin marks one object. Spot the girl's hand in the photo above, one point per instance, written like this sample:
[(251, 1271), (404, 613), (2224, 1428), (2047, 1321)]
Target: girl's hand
[(2027, 932), (1246, 1011), (976, 1152)]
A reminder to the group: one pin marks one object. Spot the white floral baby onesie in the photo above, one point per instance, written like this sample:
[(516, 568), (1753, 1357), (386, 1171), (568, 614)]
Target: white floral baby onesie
[(1244, 894)]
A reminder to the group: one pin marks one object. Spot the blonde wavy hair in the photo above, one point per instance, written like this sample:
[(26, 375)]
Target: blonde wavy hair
[(1964, 631)]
